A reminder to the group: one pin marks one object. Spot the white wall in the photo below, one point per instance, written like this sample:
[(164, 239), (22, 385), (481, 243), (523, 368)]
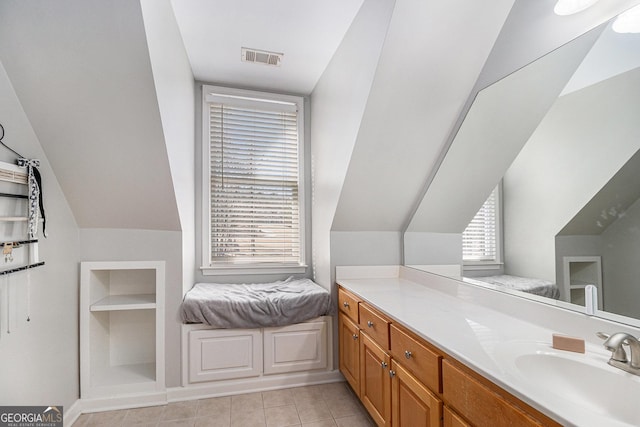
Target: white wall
[(431, 58), (423, 248), (337, 105), (583, 141), (146, 245), (82, 72), (39, 358), (176, 100), (620, 266)]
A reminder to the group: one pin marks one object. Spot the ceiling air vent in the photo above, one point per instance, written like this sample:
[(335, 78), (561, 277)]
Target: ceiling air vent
[(261, 56)]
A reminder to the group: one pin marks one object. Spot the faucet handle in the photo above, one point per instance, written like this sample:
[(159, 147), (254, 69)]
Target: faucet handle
[(602, 335), (614, 343)]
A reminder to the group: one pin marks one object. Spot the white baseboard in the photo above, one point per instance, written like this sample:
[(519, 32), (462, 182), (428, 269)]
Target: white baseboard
[(72, 413), (123, 402), (251, 385), (199, 391)]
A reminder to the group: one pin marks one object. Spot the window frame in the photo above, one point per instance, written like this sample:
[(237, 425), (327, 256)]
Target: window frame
[(497, 263), (208, 267)]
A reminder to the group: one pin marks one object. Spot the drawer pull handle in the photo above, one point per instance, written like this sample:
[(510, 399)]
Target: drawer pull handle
[(355, 336), (345, 304), (392, 374), (407, 354), (384, 365), (370, 324)]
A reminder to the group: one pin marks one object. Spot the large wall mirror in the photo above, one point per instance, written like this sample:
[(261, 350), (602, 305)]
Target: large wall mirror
[(559, 140)]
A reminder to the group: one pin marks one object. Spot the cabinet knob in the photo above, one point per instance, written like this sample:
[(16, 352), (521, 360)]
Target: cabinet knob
[(384, 365), (370, 324), (345, 304), (407, 354), (355, 336), (392, 374)]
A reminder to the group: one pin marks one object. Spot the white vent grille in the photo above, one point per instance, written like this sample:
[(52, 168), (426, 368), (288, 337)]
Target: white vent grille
[(261, 57)]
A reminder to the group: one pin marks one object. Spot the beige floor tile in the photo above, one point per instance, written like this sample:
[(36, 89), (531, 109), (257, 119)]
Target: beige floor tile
[(247, 417), (141, 416), (219, 407), (108, 418), (82, 420), (282, 416), (243, 401), (322, 423), (313, 411), (277, 398), (189, 422), (212, 421), (307, 394), (179, 411), (335, 390), (344, 407), (355, 421)]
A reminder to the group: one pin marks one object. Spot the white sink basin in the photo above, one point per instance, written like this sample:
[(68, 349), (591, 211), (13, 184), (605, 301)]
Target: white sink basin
[(589, 391)]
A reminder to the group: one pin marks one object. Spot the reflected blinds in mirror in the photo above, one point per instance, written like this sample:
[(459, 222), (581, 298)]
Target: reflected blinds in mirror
[(479, 239), (255, 213)]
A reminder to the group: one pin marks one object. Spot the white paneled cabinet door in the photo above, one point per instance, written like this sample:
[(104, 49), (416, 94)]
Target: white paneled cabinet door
[(300, 347), (220, 354)]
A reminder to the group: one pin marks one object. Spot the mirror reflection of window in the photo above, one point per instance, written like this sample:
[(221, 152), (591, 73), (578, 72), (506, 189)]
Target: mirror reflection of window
[(481, 238)]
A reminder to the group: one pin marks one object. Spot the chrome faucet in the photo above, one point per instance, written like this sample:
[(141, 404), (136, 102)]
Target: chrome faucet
[(614, 344)]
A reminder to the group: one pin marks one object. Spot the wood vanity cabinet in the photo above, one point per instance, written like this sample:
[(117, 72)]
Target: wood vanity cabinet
[(483, 403), (375, 381), (403, 381), (349, 351), (451, 419), (412, 403)]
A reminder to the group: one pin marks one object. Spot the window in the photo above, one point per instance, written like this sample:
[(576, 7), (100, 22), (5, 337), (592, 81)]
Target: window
[(481, 238), (254, 201)]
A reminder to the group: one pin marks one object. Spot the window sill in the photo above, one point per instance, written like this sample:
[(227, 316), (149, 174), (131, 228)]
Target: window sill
[(256, 269), (482, 266)]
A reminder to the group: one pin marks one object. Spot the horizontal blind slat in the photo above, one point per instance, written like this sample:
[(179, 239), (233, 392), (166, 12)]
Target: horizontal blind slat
[(255, 214)]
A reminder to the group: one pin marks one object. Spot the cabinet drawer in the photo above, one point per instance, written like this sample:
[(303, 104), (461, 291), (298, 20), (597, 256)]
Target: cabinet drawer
[(374, 325), (416, 358), (348, 304), (484, 406)]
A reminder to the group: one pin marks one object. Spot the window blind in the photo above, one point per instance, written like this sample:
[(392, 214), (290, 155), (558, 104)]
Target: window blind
[(254, 171), (479, 239)]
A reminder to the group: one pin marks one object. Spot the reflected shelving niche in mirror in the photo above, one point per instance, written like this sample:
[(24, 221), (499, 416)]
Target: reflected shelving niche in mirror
[(562, 135)]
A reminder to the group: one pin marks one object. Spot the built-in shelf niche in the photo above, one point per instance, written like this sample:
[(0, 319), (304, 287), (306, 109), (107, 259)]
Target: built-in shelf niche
[(580, 271), (122, 328)]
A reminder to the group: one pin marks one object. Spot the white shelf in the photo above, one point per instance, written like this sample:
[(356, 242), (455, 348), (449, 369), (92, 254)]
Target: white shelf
[(121, 328), (125, 302), (13, 218), (124, 374), (579, 284)]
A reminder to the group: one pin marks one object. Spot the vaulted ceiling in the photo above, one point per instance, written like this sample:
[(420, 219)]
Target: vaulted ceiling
[(82, 71)]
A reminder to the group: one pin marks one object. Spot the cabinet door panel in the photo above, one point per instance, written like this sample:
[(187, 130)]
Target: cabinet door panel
[(349, 354), (413, 405), (451, 419), (375, 382)]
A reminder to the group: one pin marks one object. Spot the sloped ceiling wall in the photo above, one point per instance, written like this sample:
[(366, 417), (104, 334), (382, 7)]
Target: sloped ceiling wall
[(431, 58), (82, 72)]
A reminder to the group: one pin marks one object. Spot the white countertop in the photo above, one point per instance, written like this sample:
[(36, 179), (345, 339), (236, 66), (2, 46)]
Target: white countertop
[(471, 332)]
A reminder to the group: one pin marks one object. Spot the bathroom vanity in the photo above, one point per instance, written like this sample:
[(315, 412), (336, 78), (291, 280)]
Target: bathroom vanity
[(424, 350)]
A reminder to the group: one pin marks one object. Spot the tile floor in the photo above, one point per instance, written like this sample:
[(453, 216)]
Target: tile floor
[(326, 405)]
